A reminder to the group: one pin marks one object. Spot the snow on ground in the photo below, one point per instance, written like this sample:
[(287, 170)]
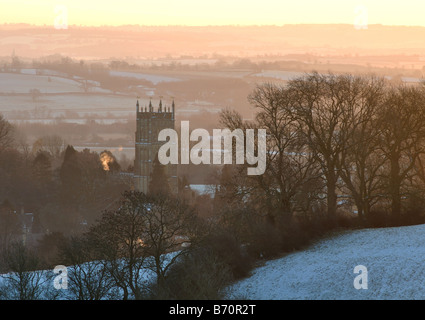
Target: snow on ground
[(394, 258), (23, 83), (281, 75), (155, 79), (80, 103), (45, 281)]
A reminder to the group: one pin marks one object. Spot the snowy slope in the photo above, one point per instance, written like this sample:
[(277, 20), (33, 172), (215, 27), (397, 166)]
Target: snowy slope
[(394, 258)]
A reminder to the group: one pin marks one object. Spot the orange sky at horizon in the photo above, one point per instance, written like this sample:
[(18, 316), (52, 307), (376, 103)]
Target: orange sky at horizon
[(208, 12)]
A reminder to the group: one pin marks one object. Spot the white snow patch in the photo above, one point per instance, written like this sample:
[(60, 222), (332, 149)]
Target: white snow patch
[(277, 74), (23, 83), (155, 79), (394, 258)]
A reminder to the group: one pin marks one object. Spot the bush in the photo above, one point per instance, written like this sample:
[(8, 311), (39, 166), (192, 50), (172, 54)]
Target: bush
[(271, 240), (229, 250), (413, 216), (384, 218), (295, 236), (266, 241), (414, 212), (379, 218), (199, 275), (205, 269)]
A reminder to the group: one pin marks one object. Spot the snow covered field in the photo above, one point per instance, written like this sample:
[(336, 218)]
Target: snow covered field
[(155, 79), (394, 258), (59, 105), (23, 83), (281, 75)]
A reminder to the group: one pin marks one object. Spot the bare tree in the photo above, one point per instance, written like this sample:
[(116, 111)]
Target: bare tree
[(86, 85), (169, 229), (22, 144), (24, 281), (116, 240), (142, 234), (88, 279), (322, 106), (290, 168), (10, 226), (53, 144), (290, 165), (361, 166), (6, 130), (402, 139)]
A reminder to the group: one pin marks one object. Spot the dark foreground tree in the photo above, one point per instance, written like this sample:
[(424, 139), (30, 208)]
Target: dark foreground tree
[(321, 105), (144, 234), (361, 165), (88, 278), (402, 140), (24, 280)]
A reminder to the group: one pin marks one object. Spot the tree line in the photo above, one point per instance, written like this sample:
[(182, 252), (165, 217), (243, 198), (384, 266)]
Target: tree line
[(338, 139)]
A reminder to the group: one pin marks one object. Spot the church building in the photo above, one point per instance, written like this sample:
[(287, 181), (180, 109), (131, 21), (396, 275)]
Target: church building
[(149, 124)]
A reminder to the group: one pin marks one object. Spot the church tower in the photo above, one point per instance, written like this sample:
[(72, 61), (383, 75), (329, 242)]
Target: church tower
[(149, 124)]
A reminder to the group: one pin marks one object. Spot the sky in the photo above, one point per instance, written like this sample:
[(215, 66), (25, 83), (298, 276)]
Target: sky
[(212, 12)]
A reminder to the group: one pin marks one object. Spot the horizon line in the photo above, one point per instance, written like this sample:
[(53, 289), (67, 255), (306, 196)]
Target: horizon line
[(203, 26)]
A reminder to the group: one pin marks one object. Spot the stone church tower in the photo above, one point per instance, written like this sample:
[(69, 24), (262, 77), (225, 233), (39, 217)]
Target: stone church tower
[(149, 124)]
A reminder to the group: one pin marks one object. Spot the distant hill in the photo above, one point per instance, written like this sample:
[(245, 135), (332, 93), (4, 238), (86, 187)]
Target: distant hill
[(146, 42)]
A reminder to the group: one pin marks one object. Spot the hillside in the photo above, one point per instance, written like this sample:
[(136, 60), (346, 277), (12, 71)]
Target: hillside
[(394, 258)]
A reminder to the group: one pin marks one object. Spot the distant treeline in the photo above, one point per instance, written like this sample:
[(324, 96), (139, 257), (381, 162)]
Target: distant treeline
[(97, 70)]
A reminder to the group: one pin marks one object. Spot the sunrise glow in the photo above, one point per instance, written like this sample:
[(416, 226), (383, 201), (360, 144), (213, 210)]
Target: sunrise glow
[(217, 12)]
